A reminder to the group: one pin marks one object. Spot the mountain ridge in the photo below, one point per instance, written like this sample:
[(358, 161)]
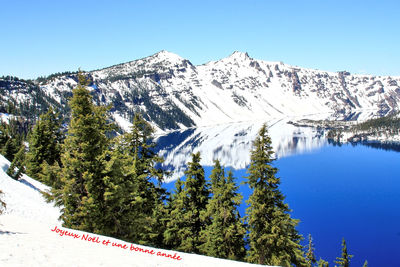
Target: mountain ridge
[(172, 93)]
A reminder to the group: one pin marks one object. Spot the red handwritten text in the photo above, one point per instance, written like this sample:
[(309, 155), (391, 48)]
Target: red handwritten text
[(65, 232), (174, 257), (134, 248), (138, 249), (90, 238), (119, 245)]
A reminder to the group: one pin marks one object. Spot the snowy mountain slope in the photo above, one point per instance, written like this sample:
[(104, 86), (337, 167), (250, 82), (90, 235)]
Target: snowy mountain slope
[(24, 98), (239, 88), (172, 93), (23, 197), (27, 239)]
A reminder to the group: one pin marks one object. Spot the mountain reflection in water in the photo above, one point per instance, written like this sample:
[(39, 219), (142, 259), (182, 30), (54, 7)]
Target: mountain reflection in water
[(231, 144), (346, 191)]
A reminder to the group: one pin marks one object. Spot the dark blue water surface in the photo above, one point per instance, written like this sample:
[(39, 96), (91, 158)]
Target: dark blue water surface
[(348, 191)]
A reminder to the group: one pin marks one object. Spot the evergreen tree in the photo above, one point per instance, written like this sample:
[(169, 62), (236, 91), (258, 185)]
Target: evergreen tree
[(140, 145), (11, 147), (11, 138), (148, 198), (189, 207), (50, 175), (17, 165), (224, 236), (83, 162), (310, 255), (175, 225), (128, 184), (3, 205), (322, 263), (273, 237), (344, 261), (158, 223), (119, 191), (3, 135), (44, 145)]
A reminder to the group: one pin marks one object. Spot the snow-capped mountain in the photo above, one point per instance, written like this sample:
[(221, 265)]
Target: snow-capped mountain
[(172, 93)]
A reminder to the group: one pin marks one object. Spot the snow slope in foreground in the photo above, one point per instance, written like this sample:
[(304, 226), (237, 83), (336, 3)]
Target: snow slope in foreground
[(27, 239)]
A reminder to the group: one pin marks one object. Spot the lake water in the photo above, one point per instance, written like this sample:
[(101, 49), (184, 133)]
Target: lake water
[(350, 192), (347, 191)]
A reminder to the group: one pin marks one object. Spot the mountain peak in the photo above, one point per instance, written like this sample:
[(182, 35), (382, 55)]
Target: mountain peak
[(164, 52), (240, 55), (166, 55)]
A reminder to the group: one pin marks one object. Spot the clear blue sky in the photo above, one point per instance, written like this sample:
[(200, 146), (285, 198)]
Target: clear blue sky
[(42, 37)]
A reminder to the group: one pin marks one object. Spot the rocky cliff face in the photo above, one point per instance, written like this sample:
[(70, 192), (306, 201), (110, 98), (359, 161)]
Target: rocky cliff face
[(172, 93)]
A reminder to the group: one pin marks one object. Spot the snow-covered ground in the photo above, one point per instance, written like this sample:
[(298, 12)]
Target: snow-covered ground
[(31, 235)]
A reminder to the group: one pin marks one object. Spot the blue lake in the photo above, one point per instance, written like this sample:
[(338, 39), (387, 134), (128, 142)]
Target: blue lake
[(347, 191), (350, 192)]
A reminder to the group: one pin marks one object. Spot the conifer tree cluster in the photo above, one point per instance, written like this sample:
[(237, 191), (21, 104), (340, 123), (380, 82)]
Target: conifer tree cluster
[(112, 185), (188, 208), (83, 162), (11, 138), (103, 183), (343, 261), (224, 236), (17, 166), (12, 147), (133, 203), (44, 152), (204, 218)]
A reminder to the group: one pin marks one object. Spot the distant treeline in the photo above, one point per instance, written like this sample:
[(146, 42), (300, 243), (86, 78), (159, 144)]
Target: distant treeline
[(45, 79)]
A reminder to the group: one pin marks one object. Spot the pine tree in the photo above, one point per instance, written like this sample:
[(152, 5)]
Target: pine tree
[(140, 145), (10, 148), (134, 204), (322, 263), (273, 237), (175, 225), (3, 135), (147, 196), (158, 223), (344, 261), (224, 236), (310, 255), (17, 165), (50, 174), (44, 145), (188, 210), (83, 163), (10, 139), (119, 191), (3, 205)]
